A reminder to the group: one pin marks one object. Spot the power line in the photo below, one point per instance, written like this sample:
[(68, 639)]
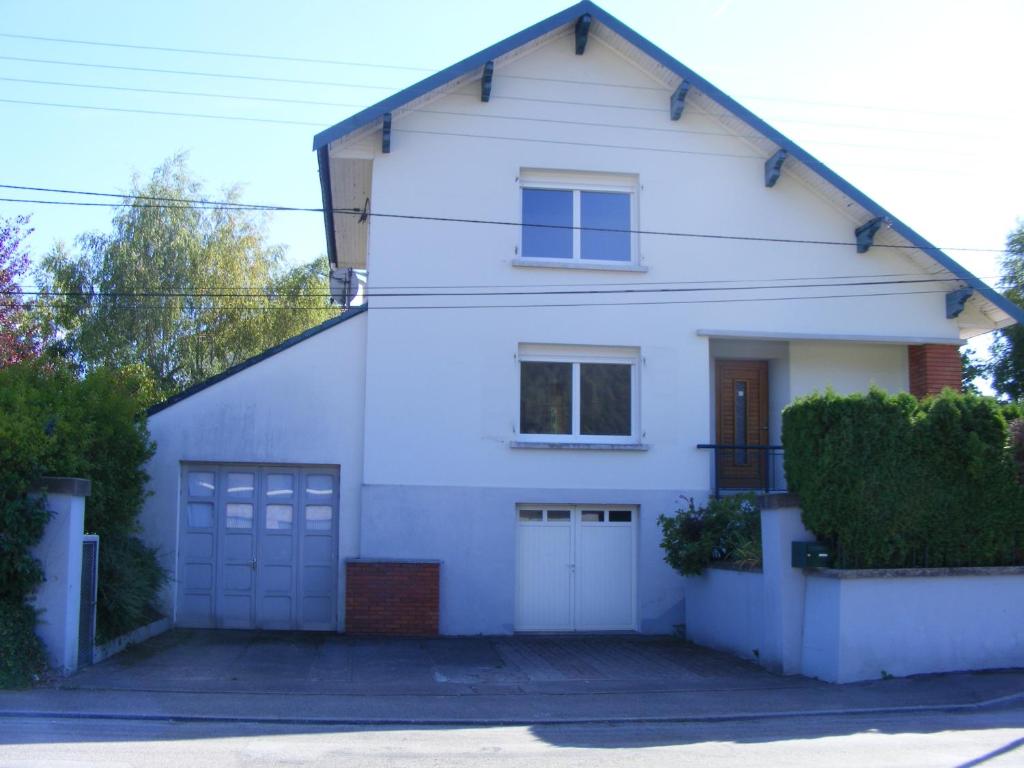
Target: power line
[(194, 73), (483, 115), (564, 291), (165, 92), (589, 304), (162, 113), (375, 65), (210, 52), (172, 202)]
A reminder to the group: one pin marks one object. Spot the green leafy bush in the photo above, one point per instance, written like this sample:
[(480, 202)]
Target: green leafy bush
[(726, 530), (53, 422), (892, 482)]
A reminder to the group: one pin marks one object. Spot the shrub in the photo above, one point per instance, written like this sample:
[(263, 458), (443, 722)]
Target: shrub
[(727, 530), (892, 482), (53, 422)]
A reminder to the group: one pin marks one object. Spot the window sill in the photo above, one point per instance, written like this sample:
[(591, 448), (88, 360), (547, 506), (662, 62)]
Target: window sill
[(559, 446), (572, 264)]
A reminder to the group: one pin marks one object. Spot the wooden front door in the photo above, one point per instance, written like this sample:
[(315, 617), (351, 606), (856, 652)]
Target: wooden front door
[(742, 420)]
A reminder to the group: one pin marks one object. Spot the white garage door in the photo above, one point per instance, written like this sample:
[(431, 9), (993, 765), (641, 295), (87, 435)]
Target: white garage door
[(259, 547), (575, 568)]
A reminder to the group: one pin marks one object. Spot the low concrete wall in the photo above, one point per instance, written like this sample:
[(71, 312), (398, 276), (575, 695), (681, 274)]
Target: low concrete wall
[(139, 635), (724, 610), (862, 625)]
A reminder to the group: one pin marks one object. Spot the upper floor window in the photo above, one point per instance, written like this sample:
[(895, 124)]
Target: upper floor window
[(578, 217)]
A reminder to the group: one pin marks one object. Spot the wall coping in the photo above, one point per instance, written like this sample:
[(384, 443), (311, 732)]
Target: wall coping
[(726, 565), (908, 573), (390, 561), (778, 501), (71, 486)]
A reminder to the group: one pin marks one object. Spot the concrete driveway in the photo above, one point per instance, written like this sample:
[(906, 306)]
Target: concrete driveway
[(208, 661)]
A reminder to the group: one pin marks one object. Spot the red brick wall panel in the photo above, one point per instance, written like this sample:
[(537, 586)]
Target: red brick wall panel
[(392, 598), (933, 367)]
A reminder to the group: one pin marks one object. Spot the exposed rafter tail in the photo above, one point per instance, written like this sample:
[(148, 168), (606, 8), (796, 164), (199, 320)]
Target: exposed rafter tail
[(582, 31), (385, 143), (773, 167), (485, 83), (865, 233), (678, 99), (955, 301)]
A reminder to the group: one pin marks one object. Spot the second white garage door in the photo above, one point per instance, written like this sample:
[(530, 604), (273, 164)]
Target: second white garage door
[(575, 568)]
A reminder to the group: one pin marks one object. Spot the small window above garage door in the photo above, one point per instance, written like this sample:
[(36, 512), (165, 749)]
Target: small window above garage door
[(258, 547)]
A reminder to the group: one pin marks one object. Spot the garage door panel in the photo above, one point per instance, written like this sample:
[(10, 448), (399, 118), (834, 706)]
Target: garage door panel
[(576, 569), (196, 610), (252, 554), (199, 546), (199, 576), (236, 611), (316, 612), (276, 612), (544, 563), (317, 580), (604, 596)]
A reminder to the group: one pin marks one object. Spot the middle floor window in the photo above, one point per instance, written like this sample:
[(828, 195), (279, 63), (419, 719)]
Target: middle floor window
[(584, 397)]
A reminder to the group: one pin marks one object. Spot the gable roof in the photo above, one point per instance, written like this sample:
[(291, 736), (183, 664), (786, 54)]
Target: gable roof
[(286, 344), (1006, 311)]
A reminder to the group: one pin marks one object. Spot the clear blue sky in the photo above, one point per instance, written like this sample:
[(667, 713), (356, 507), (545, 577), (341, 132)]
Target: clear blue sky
[(916, 102)]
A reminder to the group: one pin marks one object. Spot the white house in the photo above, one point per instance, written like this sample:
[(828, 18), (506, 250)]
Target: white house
[(583, 262)]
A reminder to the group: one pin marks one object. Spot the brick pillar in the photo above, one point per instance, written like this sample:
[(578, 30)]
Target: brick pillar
[(933, 367)]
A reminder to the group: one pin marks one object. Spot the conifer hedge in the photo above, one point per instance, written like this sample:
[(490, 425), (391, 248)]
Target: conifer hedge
[(888, 481)]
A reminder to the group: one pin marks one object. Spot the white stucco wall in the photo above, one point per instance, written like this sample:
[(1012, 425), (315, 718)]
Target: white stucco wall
[(303, 405), (725, 610), (462, 396), (846, 367), (900, 624)]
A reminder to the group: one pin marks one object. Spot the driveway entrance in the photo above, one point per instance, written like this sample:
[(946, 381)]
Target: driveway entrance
[(223, 661)]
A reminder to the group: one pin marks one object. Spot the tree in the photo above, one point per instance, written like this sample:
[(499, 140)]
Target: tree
[(971, 369), (1007, 366), (17, 339), (182, 288)]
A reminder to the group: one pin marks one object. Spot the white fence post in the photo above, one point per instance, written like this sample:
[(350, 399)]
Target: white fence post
[(59, 597)]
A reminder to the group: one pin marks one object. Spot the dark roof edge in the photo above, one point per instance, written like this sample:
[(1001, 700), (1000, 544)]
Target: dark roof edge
[(286, 344), (368, 115)]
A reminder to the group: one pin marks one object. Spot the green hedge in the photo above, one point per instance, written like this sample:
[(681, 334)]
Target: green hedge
[(893, 482), (726, 530), (54, 422)]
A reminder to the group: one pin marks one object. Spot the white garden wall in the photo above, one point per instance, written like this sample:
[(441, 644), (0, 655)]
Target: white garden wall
[(844, 626), (862, 625), (725, 610)]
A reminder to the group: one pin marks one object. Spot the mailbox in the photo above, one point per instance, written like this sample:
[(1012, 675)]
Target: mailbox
[(809, 554)]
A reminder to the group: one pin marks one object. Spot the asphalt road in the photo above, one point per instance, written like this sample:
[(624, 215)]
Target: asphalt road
[(986, 738)]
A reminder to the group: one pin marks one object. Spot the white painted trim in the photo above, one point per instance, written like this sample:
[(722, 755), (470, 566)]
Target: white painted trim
[(606, 266), (791, 336)]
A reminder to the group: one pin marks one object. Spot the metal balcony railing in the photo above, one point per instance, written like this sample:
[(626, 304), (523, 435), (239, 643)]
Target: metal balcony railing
[(746, 468)]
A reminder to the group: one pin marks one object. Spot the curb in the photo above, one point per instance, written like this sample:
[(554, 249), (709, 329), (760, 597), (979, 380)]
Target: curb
[(494, 722)]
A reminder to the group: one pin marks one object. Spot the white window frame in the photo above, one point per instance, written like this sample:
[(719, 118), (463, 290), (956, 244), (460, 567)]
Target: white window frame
[(576, 356), (576, 183)]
